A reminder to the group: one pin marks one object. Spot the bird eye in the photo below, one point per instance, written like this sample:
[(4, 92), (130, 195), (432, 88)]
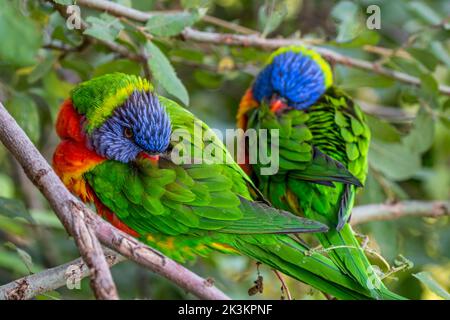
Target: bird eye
[(128, 133)]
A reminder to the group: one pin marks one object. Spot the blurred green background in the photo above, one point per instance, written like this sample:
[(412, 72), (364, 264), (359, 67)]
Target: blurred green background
[(41, 60)]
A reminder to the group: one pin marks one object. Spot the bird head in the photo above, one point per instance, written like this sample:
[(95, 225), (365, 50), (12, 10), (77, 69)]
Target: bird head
[(139, 127), (294, 77)]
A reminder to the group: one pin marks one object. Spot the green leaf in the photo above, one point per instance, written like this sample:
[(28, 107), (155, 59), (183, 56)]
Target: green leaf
[(25, 111), (164, 73), (208, 79), (10, 261), (6, 186), (394, 160), (425, 12), (369, 37), (126, 3), (382, 130), (424, 57), (271, 17), (64, 2), (421, 136), (411, 67), (46, 218), (171, 24), (63, 34), (23, 255), (446, 105), (187, 54), (42, 68), (50, 295), (104, 28), (20, 36), (445, 120), (356, 79), (13, 208), (426, 278), (55, 90), (429, 84), (440, 52), (349, 18)]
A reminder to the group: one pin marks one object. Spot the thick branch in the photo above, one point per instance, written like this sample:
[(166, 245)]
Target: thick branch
[(80, 221), (379, 212), (62, 202), (51, 279), (256, 41)]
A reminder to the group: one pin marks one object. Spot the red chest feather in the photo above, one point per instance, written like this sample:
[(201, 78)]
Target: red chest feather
[(72, 159)]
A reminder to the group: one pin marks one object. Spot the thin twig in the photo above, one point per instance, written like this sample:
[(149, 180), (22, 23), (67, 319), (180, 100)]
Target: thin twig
[(229, 25), (67, 274), (33, 200), (283, 284)]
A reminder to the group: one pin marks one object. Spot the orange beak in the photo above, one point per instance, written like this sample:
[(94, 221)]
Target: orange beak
[(152, 158), (277, 105)]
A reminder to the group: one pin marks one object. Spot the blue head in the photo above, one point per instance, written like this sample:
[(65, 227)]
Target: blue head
[(140, 125), (294, 75)]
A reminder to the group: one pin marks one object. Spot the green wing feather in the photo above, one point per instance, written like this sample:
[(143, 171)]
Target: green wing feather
[(297, 154)]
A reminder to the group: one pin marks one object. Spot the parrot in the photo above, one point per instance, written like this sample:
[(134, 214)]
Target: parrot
[(322, 142), (118, 152)]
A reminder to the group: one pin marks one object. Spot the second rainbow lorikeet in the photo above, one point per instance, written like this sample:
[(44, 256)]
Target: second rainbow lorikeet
[(323, 146), (116, 152)]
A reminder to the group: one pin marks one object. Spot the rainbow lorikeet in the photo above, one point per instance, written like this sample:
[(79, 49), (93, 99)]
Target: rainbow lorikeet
[(117, 152), (323, 145)]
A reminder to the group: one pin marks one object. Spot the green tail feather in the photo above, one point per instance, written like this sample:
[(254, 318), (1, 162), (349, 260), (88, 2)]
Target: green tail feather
[(297, 261)]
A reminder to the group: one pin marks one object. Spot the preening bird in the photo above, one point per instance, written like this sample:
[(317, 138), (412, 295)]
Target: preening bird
[(117, 152), (323, 146)]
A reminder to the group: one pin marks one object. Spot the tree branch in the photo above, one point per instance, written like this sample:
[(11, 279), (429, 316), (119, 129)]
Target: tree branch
[(81, 222), (257, 41), (380, 212), (62, 202), (51, 279)]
